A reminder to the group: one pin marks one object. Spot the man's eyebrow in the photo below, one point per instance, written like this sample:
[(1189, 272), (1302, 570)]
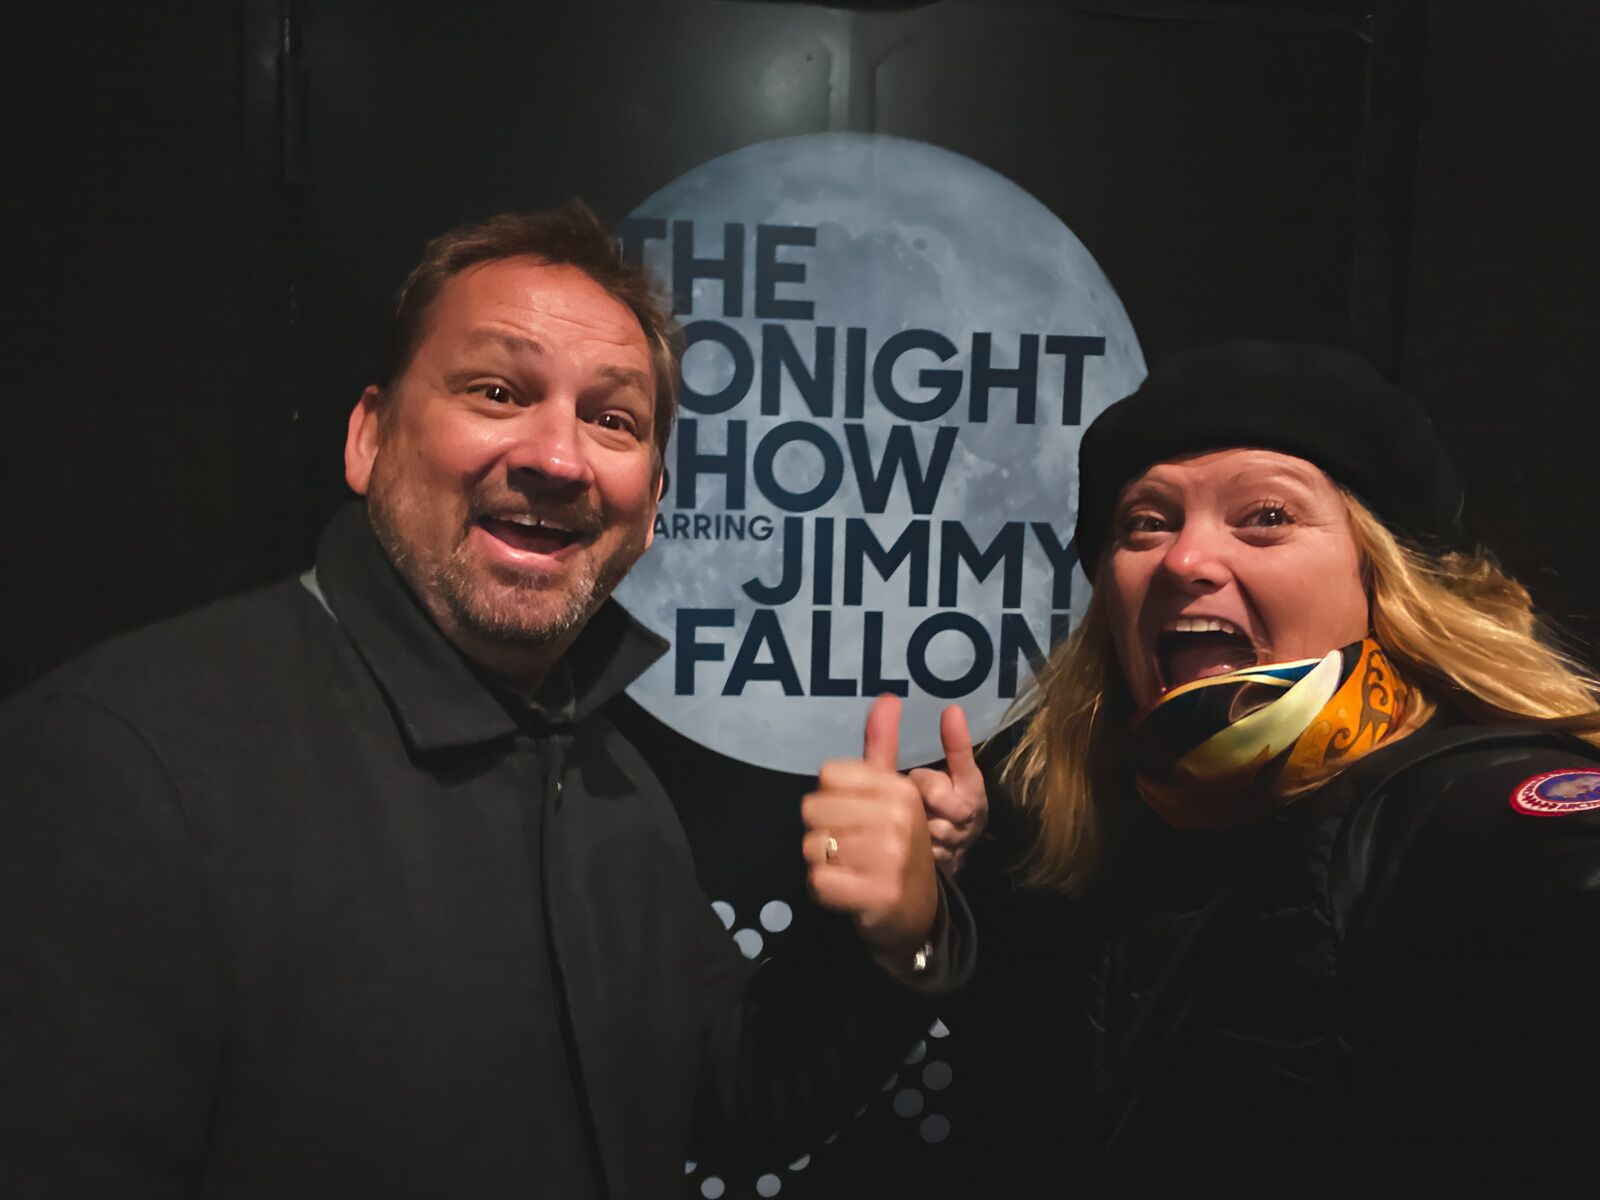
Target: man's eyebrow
[(521, 343), (620, 377), (512, 343)]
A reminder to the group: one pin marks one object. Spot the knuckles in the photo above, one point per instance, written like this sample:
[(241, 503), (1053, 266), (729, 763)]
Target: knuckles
[(857, 775), (837, 772), (809, 804), (902, 822), (861, 780)]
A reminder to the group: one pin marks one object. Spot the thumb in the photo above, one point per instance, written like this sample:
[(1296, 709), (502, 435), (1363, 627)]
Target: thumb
[(880, 745), (956, 739)]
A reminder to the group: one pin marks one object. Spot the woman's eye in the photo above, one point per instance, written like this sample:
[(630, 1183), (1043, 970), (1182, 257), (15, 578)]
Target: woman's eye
[(1143, 523), (1268, 516)]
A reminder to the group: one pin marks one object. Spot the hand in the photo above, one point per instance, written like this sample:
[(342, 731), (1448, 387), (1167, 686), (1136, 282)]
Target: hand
[(955, 799), (882, 872)]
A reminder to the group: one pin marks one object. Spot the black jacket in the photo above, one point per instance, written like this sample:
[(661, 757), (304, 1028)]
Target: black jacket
[(295, 905), (1392, 990)]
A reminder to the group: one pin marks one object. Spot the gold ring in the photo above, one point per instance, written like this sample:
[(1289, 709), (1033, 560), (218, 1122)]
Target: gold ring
[(830, 850)]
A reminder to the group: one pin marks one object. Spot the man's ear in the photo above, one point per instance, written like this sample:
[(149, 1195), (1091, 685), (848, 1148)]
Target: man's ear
[(661, 490), (362, 439)]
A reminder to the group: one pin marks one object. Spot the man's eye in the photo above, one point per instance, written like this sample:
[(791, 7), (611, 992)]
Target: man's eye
[(495, 393), (616, 420)]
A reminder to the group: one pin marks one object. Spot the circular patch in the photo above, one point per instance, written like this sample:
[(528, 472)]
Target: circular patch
[(1556, 793)]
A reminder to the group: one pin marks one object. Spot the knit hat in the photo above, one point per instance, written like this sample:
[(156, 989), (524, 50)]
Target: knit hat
[(1319, 403)]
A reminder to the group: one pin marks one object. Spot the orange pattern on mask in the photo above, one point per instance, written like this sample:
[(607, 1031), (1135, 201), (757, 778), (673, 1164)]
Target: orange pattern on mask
[(1353, 723)]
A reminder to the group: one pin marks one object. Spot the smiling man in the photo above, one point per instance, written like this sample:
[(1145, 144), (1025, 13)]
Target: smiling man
[(349, 887), (512, 470)]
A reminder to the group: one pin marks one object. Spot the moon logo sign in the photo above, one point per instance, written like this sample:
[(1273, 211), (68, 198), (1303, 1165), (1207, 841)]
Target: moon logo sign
[(891, 352)]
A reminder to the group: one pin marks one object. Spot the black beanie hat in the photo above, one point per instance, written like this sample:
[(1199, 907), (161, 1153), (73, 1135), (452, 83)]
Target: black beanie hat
[(1325, 405)]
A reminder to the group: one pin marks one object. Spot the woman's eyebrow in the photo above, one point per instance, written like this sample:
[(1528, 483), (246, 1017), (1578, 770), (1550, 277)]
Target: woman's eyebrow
[(1275, 476), (1147, 489)]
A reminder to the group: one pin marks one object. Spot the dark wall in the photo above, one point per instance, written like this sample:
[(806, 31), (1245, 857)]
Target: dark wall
[(213, 200), (1500, 302), (144, 444)]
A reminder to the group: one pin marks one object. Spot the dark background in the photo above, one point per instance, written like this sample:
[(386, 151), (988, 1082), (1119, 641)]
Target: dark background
[(216, 198)]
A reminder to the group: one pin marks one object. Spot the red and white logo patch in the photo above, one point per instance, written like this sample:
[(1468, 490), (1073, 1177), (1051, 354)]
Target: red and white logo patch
[(1557, 793)]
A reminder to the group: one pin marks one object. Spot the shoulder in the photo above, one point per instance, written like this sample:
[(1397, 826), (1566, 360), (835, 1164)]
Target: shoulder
[(220, 649), (1469, 957), (1494, 829), (204, 678), (1506, 797)]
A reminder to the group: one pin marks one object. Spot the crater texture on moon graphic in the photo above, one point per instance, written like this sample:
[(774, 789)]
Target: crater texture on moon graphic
[(908, 236)]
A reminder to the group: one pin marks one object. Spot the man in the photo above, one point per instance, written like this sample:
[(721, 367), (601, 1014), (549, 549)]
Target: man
[(348, 887)]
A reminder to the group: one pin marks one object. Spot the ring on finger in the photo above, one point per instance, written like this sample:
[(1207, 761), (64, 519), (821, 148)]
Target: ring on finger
[(830, 850)]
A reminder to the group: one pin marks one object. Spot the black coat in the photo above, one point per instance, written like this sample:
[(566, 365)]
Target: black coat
[(295, 905), (1391, 991)]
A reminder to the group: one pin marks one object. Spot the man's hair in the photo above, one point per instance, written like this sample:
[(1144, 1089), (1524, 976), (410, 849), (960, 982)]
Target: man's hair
[(1455, 626), (571, 236)]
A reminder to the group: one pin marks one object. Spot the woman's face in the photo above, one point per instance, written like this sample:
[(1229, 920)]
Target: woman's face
[(1225, 559)]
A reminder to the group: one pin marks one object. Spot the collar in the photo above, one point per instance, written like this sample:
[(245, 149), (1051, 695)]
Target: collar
[(440, 699)]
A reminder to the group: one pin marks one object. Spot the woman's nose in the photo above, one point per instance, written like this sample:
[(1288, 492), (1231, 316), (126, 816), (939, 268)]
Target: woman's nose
[(1197, 558)]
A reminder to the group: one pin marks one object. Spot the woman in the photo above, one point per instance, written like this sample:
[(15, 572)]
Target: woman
[(1327, 806)]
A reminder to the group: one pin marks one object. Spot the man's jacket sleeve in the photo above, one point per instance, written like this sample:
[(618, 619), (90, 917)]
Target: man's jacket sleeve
[(109, 991)]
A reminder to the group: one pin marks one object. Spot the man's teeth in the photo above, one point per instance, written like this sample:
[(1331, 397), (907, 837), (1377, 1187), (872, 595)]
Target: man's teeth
[(534, 523), (1201, 625)]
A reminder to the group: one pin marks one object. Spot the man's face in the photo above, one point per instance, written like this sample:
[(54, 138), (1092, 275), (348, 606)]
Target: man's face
[(509, 471), (1228, 559)]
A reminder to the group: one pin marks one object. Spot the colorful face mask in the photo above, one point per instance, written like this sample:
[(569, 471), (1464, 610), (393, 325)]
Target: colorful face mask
[(1228, 750)]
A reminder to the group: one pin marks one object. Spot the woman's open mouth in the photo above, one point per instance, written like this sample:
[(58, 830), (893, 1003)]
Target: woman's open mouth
[(1191, 648)]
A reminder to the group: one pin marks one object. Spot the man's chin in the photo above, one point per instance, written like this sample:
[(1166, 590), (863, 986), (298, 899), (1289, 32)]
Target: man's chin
[(522, 616)]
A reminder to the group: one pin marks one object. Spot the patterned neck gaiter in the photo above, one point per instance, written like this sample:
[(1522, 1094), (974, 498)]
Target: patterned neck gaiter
[(1228, 751)]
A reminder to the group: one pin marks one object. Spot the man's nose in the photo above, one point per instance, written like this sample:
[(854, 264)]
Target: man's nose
[(1197, 558), (547, 444)]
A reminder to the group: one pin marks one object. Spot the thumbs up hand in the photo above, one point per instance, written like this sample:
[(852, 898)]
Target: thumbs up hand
[(867, 843), (955, 799)]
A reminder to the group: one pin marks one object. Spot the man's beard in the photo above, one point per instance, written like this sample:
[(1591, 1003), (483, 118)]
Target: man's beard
[(513, 611), (505, 611)]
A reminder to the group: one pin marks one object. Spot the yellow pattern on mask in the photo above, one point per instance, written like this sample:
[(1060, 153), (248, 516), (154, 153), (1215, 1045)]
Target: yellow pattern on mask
[(1227, 750)]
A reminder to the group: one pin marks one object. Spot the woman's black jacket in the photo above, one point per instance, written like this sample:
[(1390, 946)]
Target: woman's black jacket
[(1393, 990)]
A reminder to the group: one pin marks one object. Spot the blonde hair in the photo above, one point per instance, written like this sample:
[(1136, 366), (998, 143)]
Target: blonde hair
[(1065, 767), (1454, 625), (1466, 633)]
